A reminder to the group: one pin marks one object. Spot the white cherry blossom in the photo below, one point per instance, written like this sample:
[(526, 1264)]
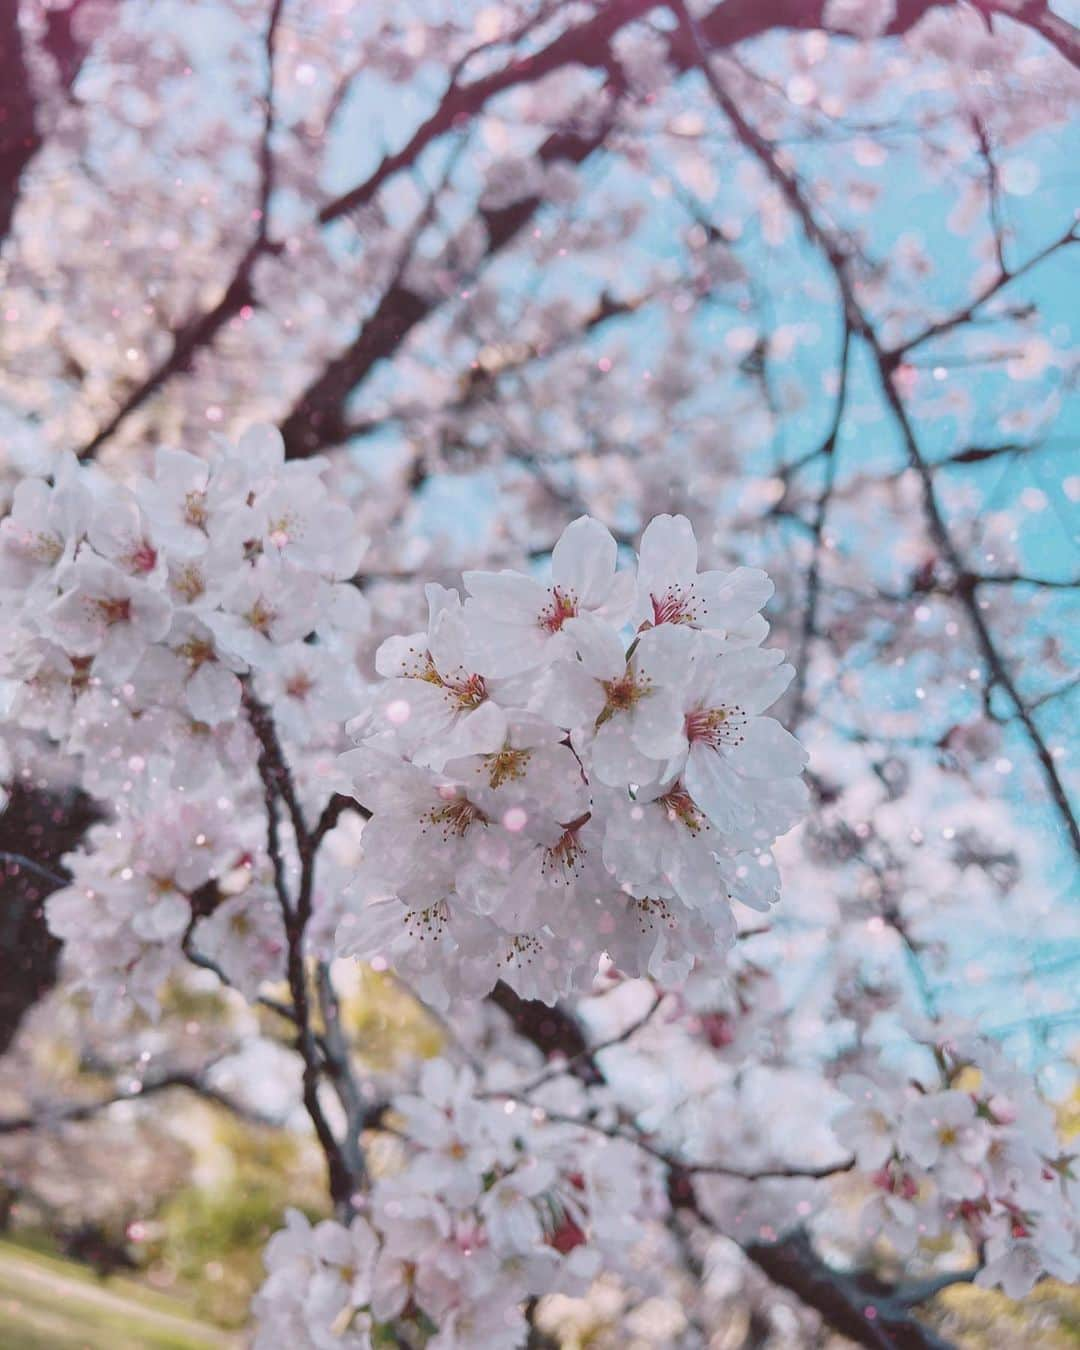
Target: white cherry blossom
[(517, 624)]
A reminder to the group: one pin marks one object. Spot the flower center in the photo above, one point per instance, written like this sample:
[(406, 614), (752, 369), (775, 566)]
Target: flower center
[(428, 923), (143, 558), (674, 606), (196, 652), (563, 859), (189, 583), (506, 765), (455, 817), (649, 911), (80, 673), (47, 548), (895, 1181), (716, 726), (622, 694), (682, 808), (469, 693), (522, 950), (260, 616), (283, 530), (195, 512), (299, 685), (115, 609), (561, 606)]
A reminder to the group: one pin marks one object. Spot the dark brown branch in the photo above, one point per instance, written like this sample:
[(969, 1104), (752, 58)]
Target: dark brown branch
[(635, 1136), (868, 1316), (1019, 579), (554, 1031), (277, 784), (993, 190), (841, 1299), (266, 149), (277, 776), (339, 1071), (317, 419), (206, 963), (332, 812), (885, 363), (20, 136), (1038, 16), (813, 579), (46, 825), (326, 1054), (201, 330), (480, 381), (14, 863), (571, 1065), (51, 1116), (586, 44), (893, 355)]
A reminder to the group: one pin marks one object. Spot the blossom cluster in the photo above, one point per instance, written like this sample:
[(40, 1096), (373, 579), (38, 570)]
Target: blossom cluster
[(559, 771), (154, 601), (495, 1204), (977, 1150), (134, 620)]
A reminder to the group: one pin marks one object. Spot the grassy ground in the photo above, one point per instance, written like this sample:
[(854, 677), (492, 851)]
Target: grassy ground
[(50, 1304)]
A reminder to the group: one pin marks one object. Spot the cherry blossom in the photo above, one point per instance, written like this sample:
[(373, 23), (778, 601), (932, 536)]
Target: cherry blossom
[(503, 452)]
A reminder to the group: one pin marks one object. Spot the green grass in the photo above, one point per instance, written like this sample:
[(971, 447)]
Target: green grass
[(51, 1304)]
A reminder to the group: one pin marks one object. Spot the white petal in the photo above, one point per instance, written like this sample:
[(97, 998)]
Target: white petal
[(767, 751), (509, 596), (731, 599), (666, 654), (616, 760), (668, 554), (480, 732), (599, 646), (657, 722), (583, 561), (213, 694), (402, 655), (717, 790)]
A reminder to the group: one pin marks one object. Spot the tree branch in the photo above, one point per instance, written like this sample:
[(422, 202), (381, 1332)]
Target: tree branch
[(277, 783), (586, 44), (20, 135), (51, 1116), (813, 579), (839, 261), (893, 355), (870, 1314), (200, 331)]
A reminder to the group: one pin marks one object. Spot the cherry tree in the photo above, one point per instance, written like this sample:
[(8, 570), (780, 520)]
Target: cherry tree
[(567, 505)]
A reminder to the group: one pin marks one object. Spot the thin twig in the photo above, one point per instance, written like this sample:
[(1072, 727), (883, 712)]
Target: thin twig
[(885, 362), (570, 1065), (20, 862), (893, 355), (813, 578), (53, 1115), (277, 783)]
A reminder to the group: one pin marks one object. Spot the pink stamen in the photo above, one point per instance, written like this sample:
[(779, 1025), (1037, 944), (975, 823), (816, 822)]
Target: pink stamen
[(674, 606), (715, 726), (563, 606)]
